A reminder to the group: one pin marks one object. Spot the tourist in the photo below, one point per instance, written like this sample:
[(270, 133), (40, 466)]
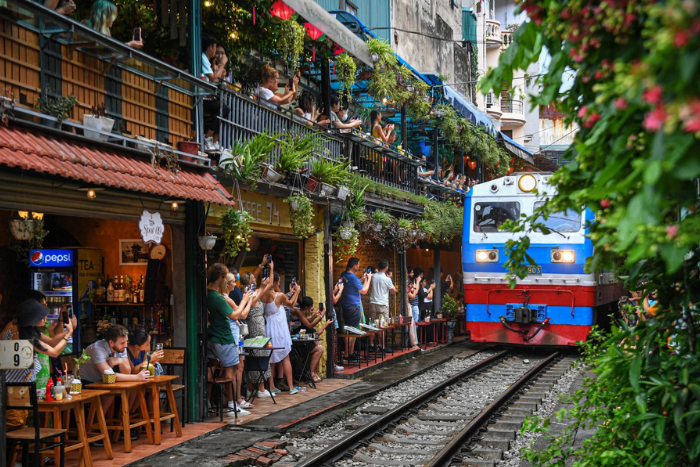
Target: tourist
[(307, 112), (380, 288), (278, 329), (375, 118), (310, 318), (335, 120), (240, 310), (351, 302), (425, 298), (256, 326), (102, 16), (212, 105), (64, 7), (270, 84)]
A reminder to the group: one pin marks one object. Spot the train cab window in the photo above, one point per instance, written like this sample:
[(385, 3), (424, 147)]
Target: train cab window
[(488, 217), (569, 221)]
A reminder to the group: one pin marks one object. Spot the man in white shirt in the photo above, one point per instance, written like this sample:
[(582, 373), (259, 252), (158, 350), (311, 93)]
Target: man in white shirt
[(379, 292), (212, 106)]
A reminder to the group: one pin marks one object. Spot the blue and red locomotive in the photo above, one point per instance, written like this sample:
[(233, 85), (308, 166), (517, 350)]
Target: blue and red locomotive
[(558, 302)]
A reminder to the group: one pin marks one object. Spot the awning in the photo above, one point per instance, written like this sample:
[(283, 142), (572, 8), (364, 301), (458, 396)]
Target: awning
[(469, 110), (104, 167), (516, 149), (331, 27)]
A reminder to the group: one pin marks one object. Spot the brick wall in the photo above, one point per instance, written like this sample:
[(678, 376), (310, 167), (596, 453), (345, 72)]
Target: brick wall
[(314, 282)]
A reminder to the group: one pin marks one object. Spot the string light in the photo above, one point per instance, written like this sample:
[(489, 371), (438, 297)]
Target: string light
[(207, 3), (174, 206), (91, 193)]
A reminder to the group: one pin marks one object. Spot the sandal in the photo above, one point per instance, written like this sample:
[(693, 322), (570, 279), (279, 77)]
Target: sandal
[(316, 378)]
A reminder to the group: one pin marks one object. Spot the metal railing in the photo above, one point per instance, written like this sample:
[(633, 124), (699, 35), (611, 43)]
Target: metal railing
[(386, 167), (242, 118), (514, 106)]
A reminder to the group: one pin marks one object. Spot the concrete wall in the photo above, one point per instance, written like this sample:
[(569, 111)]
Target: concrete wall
[(505, 13)]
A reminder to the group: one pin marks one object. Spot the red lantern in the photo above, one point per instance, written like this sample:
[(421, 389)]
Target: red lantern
[(511, 161), (472, 165), (511, 170), (337, 50), (314, 33), (281, 10)]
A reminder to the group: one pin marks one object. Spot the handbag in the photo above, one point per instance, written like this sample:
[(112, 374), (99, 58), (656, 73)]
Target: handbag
[(242, 329)]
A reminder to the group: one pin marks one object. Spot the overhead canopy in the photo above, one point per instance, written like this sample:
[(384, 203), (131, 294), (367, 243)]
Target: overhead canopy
[(516, 149), (469, 110), (104, 167), (341, 35)]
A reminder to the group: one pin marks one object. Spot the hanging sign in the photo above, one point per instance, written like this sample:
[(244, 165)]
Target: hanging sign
[(16, 354), (151, 227)]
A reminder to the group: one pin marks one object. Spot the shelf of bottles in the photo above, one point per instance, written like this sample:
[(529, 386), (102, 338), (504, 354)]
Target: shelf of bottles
[(121, 301)]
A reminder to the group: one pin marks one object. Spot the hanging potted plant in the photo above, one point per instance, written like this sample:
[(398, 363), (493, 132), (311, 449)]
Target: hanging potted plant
[(28, 235), (380, 218), (422, 227), (59, 107), (301, 215), (207, 241), (345, 242), (235, 228), (99, 121), (345, 70), (290, 42), (404, 225)]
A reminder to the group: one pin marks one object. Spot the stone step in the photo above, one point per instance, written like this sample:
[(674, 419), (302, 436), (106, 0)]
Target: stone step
[(405, 452), (495, 443), (364, 458), (406, 440), (472, 462), (416, 421), (494, 432), (499, 425), (488, 453)]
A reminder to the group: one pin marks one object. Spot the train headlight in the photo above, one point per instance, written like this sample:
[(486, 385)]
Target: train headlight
[(527, 183), (563, 256), (486, 256)]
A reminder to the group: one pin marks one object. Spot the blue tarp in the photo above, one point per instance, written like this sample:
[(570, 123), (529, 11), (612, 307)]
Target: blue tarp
[(516, 149), (469, 110)]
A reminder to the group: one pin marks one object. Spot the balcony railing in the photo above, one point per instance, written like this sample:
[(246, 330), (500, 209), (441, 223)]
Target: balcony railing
[(493, 31), (507, 36), (514, 106)]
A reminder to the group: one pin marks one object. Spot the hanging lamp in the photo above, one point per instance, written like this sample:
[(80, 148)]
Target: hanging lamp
[(281, 10), (314, 33)]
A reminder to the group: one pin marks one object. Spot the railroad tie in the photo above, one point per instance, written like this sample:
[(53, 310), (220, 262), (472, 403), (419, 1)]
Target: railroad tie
[(406, 440), (489, 453), (499, 433), (360, 457), (404, 452), (471, 462), (495, 443)]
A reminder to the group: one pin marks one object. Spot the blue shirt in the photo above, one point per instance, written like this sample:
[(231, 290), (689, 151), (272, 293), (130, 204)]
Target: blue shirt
[(351, 291), (236, 295), (206, 67)]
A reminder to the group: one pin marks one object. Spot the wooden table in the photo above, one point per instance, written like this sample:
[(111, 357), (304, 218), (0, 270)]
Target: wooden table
[(124, 390), (423, 328), (61, 411), (440, 330), (155, 383)]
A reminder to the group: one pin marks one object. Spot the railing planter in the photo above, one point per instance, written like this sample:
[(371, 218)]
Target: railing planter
[(312, 183), (327, 190), (190, 147), (97, 123), (270, 174), (343, 192)]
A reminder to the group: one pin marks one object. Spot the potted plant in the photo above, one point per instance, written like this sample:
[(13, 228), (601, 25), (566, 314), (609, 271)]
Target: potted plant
[(296, 150), (246, 160), (301, 215), (345, 244), (330, 173), (189, 147), (380, 218), (60, 107), (207, 241), (235, 228), (290, 42), (422, 227), (28, 235), (404, 225), (99, 121), (449, 310)]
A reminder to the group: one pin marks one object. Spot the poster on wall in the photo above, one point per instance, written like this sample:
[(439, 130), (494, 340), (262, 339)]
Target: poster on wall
[(133, 252)]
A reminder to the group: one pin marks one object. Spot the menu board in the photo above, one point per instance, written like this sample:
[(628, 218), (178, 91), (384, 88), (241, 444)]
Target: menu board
[(256, 342)]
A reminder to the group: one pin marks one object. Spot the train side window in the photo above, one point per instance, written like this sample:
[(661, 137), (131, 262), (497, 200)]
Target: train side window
[(569, 221), (488, 217)]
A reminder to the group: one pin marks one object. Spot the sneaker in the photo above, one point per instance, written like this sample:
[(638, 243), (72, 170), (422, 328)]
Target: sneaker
[(275, 391), (339, 368), (294, 390), (245, 405), (264, 394), (353, 358)]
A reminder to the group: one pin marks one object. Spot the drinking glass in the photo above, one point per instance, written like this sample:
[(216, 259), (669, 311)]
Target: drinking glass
[(69, 382)]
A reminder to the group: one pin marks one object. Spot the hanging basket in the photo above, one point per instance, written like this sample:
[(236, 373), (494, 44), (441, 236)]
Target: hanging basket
[(378, 226), (22, 229), (345, 233), (271, 175), (294, 205), (343, 192), (207, 242), (327, 190), (348, 224)]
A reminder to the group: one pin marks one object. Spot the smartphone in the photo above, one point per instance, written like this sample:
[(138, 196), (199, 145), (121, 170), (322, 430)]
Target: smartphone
[(291, 83), (266, 273), (294, 282), (252, 287), (269, 258), (159, 347), (137, 34), (369, 270), (449, 276), (433, 281), (64, 317), (247, 289), (320, 307), (340, 281)]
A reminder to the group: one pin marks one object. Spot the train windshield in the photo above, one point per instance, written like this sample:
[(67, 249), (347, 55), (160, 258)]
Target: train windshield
[(569, 221), (488, 217)]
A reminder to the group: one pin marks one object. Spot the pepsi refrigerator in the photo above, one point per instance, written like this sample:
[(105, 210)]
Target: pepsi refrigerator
[(67, 275)]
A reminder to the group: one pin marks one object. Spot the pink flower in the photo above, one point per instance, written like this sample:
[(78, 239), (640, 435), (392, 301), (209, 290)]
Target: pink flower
[(693, 126), (654, 120), (582, 111), (653, 95), (595, 116), (598, 74), (682, 37), (672, 230), (604, 203), (621, 103)]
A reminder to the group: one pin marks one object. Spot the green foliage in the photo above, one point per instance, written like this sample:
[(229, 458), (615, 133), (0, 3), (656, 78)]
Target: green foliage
[(635, 164), (331, 172), (302, 217), (345, 70), (60, 107), (297, 149), (449, 307), (290, 44), (249, 157), (355, 202), (235, 228), (344, 249), (473, 70), (443, 222), (404, 223), (84, 358), (380, 216)]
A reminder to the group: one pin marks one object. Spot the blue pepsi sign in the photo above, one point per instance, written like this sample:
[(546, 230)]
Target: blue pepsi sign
[(51, 258)]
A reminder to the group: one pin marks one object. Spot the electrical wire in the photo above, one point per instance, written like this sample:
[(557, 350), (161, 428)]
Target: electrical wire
[(437, 38), (552, 144)]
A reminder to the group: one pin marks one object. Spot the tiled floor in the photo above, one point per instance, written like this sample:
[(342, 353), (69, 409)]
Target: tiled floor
[(265, 407)]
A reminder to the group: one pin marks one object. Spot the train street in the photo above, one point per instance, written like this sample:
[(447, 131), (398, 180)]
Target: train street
[(300, 233)]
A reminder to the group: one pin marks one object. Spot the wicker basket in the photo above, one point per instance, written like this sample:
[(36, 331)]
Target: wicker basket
[(109, 379)]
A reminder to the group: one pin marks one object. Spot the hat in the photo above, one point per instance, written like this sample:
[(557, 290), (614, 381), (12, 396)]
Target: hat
[(31, 312)]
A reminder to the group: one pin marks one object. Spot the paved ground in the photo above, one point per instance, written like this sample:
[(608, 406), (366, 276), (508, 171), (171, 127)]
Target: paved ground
[(212, 449)]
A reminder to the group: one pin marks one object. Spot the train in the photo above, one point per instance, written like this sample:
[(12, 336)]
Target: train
[(558, 302)]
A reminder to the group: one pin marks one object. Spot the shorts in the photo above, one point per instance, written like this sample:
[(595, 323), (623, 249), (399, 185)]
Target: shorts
[(226, 353), (416, 313), (377, 311), (351, 316)]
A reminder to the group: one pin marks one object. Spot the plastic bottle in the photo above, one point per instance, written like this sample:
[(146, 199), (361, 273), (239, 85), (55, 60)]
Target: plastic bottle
[(49, 390)]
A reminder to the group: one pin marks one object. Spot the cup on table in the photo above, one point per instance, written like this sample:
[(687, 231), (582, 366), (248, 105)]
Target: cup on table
[(302, 333)]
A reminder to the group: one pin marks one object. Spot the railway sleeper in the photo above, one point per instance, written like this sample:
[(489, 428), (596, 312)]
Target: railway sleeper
[(472, 462), (524, 405), (408, 431), (518, 411), (494, 432), (488, 453), (528, 398), (406, 440), (440, 418), (417, 421), (503, 425), (533, 393), (364, 458), (405, 452), (511, 418), (496, 443)]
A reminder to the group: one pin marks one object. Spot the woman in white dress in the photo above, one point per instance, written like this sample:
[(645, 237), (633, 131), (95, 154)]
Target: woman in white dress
[(278, 329)]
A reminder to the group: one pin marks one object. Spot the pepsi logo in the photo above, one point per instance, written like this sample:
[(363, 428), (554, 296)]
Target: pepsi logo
[(37, 257)]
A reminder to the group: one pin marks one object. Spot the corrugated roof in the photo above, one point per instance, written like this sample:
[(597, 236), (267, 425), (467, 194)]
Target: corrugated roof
[(101, 166)]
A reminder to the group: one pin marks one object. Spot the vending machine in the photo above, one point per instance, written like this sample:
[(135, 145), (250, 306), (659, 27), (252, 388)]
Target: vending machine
[(67, 276)]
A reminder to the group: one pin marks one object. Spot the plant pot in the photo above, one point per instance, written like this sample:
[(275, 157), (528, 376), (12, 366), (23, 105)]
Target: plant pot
[(207, 242), (327, 190), (22, 229), (294, 205), (348, 224), (190, 147), (343, 192), (450, 336), (345, 233), (451, 324), (439, 316), (271, 175), (97, 123), (312, 183), (378, 227)]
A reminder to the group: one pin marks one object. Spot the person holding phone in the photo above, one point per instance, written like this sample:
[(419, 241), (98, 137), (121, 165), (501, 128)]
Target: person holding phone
[(381, 287), (351, 300), (270, 84), (309, 320), (307, 112), (335, 120), (256, 326), (102, 17), (375, 118)]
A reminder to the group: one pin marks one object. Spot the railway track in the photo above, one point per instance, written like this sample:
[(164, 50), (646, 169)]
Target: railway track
[(467, 419)]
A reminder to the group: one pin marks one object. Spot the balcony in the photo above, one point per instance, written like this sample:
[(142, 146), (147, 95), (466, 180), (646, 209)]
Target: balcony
[(507, 36), (513, 112), (493, 105), (493, 34)]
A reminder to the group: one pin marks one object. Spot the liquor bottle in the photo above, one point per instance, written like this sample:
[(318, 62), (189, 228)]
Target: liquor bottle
[(110, 291), (125, 319), (127, 290), (135, 318), (99, 297), (135, 292), (151, 322), (161, 321), (113, 318), (121, 289), (142, 287)]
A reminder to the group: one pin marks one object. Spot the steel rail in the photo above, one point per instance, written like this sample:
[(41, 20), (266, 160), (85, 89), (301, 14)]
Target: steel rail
[(337, 450), (445, 455)]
